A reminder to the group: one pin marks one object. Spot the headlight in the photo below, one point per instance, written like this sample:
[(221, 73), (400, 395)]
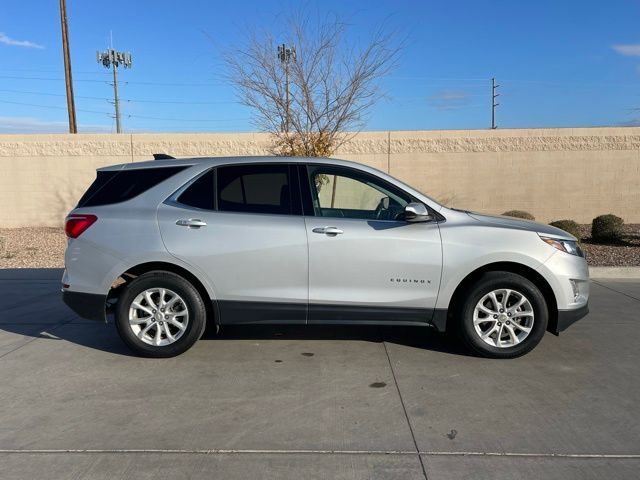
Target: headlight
[(567, 246)]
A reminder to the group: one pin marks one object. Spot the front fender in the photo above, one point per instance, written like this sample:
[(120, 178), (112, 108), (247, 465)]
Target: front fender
[(468, 248)]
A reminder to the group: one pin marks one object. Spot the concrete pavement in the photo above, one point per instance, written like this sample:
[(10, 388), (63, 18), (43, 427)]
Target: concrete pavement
[(314, 402)]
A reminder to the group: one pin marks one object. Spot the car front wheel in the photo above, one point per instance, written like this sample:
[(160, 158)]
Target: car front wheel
[(504, 316), (160, 314)]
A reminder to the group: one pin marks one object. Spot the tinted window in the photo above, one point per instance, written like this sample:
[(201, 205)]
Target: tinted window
[(119, 186), (254, 189), (200, 193), (345, 193), (102, 178)]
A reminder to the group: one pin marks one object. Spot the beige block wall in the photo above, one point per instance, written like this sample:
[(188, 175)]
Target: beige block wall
[(553, 173)]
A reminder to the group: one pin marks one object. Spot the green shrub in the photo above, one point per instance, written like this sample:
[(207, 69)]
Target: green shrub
[(568, 226), (519, 214), (607, 228)]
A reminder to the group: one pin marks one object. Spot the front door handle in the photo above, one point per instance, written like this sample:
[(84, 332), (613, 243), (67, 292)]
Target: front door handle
[(328, 230), (191, 223)]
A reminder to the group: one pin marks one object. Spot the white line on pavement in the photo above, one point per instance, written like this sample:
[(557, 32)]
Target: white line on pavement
[(317, 452)]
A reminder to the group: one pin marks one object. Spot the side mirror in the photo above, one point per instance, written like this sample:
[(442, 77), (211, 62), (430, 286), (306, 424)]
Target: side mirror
[(417, 212)]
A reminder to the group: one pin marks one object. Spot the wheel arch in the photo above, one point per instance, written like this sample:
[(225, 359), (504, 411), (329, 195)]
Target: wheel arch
[(512, 267), (142, 268)]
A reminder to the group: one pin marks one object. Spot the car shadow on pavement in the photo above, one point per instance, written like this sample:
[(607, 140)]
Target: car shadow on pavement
[(88, 334), (416, 337), (104, 337)]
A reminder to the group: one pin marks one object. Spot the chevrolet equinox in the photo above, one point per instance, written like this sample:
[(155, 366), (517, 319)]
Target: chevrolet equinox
[(169, 245)]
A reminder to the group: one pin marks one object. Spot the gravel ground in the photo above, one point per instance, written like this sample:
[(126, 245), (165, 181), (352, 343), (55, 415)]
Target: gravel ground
[(627, 254), (44, 248), (32, 247)]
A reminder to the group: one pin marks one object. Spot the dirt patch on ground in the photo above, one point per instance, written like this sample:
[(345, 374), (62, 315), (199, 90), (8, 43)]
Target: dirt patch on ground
[(44, 248)]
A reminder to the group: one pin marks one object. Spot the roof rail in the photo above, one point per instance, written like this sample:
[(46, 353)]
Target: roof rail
[(162, 156)]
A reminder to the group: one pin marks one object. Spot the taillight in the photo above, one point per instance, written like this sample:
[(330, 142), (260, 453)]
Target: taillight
[(76, 224)]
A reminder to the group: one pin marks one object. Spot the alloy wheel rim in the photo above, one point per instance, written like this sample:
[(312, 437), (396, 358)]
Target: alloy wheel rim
[(503, 318), (158, 317)]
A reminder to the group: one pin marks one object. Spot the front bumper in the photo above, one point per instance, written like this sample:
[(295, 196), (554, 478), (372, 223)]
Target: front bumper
[(566, 318), (86, 305), (568, 276)]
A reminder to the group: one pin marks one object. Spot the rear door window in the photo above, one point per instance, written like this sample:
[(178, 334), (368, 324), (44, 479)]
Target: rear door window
[(258, 188)]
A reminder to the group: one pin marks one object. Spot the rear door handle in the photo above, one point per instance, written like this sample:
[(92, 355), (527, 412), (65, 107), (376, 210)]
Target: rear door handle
[(328, 230), (191, 223)]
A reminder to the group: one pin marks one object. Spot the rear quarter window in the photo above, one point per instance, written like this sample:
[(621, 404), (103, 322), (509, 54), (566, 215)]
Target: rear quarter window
[(121, 185), (200, 194)]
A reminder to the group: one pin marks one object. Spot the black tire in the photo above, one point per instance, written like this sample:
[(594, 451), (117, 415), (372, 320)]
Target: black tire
[(191, 299), (489, 282)]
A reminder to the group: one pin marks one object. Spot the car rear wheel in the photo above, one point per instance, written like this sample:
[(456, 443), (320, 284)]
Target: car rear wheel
[(504, 316), (160, 314)]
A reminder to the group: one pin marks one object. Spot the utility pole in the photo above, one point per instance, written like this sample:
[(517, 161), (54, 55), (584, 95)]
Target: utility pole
[(71, 106), (112, 58), (494, 95), (285, 55)]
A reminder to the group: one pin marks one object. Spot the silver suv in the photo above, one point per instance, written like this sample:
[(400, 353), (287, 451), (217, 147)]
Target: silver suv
[(169, 245)]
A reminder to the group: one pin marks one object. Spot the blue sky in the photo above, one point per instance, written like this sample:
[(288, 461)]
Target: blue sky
[(559, 63)]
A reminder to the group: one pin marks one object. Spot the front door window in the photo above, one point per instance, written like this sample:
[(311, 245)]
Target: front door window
[(342, 193)]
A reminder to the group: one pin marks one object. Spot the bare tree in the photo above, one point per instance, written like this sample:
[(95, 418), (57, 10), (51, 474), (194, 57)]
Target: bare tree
[(331, 85)]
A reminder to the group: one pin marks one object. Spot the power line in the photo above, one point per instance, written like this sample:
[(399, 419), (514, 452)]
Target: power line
[(180, 84), (128, 116), (50, 106), (165, 84), (26, 92), (38, 70), (409, 77), (133, 100), (180, 102), (506, 82), (13, 77), (188, 119)]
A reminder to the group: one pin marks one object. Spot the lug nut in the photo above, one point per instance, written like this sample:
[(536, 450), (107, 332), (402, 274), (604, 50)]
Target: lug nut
[(502, 310), (166, 317), (509, 314), (495, 316)]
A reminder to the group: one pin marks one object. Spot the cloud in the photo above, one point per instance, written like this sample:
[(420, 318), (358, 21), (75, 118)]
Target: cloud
[(631, 50), (18, 43), (35, 125), (630, 123), (449, 99)]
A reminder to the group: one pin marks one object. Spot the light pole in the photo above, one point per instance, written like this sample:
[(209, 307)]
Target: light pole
[(285, 54), (112, 58)]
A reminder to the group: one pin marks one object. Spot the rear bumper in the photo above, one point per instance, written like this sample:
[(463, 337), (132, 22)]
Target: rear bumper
[(566, 318), (86, 305)]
